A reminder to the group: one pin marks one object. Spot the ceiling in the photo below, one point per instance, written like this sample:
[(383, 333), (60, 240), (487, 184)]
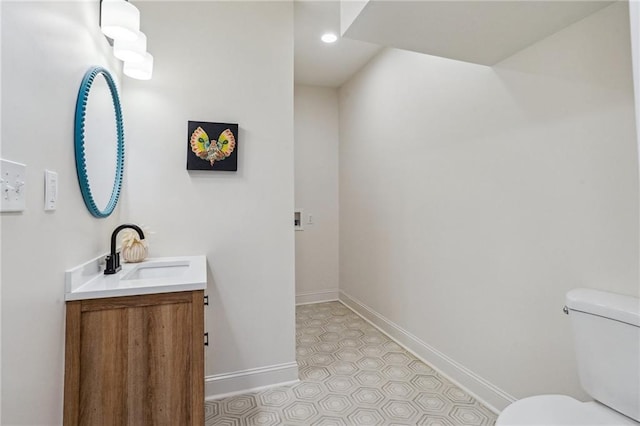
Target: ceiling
[(479, 31), (318, 63), (483, 32)]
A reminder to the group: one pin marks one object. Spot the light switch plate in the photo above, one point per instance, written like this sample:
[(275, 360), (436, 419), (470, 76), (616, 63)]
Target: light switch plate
[(50, 190), (13, 186)]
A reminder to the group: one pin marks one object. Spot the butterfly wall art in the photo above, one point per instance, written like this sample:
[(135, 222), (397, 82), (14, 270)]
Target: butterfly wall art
[(212, 146)]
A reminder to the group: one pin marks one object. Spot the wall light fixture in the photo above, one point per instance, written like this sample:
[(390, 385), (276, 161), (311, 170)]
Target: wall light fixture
[(120, 22), (119, 19), (142, 70), (131, 50)]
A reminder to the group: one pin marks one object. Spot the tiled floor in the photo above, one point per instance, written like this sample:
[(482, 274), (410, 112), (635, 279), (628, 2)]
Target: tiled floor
[(351, 374)]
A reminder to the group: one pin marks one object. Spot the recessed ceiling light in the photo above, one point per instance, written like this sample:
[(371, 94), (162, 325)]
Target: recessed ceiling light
[(329, 38)]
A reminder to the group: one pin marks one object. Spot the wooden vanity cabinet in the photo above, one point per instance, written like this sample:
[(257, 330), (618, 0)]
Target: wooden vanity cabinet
[(135, 360)]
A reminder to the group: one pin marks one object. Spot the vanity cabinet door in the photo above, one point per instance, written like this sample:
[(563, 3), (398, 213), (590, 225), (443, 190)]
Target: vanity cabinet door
[(135, 361)]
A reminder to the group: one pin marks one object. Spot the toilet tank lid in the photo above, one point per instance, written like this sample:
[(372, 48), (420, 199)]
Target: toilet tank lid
[(609, 305)]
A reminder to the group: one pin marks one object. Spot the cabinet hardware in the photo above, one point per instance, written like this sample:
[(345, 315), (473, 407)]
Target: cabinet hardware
[(206, 339), (206, 300)]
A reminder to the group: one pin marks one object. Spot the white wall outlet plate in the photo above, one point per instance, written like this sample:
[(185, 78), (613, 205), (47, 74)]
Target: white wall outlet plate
[(13, 185)]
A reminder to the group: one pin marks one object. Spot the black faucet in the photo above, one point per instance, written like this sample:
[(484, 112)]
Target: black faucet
[(113, 259)]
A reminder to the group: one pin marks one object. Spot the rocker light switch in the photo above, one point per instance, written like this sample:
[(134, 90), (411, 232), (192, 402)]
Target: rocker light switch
[(50, 190)]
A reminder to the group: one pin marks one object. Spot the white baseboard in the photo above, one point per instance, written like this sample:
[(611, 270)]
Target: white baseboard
[(228, 384), (487, 393), (252, 390), (317, 296)]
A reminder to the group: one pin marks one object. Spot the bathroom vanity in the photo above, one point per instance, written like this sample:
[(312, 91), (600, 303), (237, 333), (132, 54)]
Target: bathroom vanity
[(135, 344)]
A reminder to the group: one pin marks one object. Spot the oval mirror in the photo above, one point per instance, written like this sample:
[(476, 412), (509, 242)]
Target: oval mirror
[(99, 142)]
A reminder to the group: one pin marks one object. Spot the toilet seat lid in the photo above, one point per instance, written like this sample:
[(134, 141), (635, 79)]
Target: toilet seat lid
[(559, 410)]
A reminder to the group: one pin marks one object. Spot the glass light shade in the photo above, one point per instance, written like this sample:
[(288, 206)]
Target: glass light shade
[(139, 70), (131, 51), (119, 20)]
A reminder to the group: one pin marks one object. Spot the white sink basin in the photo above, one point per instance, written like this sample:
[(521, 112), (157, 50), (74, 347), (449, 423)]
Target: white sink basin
[(157, 275), (158, 269)]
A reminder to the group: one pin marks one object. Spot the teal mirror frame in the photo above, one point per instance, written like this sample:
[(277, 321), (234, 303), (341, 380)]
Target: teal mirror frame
[(79, 142)]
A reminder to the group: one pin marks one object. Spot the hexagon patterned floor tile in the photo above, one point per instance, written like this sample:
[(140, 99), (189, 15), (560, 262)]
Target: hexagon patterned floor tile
[(351, 374)]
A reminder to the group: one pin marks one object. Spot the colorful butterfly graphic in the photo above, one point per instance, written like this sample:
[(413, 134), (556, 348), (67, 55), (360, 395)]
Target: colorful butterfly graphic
[(212, 151)]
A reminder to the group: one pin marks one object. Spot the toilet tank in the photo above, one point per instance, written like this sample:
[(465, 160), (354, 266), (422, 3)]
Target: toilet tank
[(606, 329)]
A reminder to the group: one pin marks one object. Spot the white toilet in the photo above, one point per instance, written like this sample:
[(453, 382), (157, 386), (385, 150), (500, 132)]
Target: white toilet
[(606, 329)]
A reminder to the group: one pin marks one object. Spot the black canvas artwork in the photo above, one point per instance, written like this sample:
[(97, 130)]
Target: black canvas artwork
[(212, 146)]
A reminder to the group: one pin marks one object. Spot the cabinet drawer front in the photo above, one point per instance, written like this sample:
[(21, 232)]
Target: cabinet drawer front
[(133, 301)]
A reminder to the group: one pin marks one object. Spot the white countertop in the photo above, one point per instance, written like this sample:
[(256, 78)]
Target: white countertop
[(183, 273)]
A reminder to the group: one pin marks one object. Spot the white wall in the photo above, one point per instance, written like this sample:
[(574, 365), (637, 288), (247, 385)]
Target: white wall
[(634, 24), (222, 62), (0, 231), (473, 198), (46, 49), (316, 191)]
